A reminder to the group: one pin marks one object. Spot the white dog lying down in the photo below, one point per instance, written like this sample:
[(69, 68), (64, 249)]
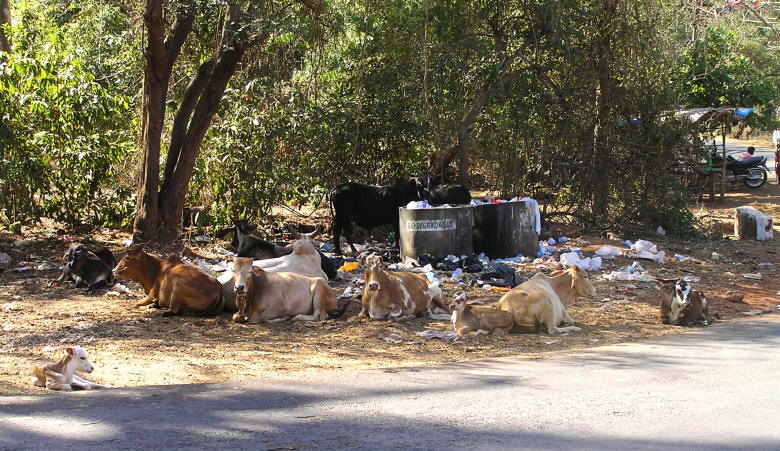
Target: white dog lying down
[(61, 375)]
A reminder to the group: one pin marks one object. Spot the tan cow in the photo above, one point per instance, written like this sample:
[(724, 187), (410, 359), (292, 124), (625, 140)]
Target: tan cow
[(543, 299), (394, 295), (171, 284), (263, 296), (468, 319), (304, 260)]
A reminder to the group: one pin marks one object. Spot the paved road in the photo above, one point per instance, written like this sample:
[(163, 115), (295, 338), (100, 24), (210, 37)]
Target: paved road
[(714, 388)]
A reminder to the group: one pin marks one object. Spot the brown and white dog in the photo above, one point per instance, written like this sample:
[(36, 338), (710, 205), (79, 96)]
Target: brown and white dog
[(468, 319), (392, 295), (61, 375), (684, 307)]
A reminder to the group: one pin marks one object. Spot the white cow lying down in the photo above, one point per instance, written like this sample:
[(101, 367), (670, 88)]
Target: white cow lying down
[(304, 260), (542, 300)]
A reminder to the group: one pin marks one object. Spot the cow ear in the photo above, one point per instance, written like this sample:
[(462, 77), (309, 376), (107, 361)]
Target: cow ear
[(70, 351), (92, 256), (258, 271)]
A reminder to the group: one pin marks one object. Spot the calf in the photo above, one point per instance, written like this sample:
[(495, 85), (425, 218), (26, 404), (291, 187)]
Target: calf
[(468, 319), (368, 206), (171, 284), (94, 269), (393, 295), (61, 375), (270, 297), (449, 195), (543, 299), (684, 307)]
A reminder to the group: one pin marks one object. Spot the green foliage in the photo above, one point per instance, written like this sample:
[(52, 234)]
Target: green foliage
[(63, 134)]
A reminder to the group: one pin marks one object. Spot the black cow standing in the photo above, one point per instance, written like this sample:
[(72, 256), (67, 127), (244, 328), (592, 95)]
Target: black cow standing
[(368, 207), (91, 268)]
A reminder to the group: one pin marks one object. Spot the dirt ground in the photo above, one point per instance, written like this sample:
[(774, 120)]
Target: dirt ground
[(131, 346)]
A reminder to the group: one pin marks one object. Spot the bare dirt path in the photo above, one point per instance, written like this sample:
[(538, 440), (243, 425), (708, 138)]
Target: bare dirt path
[(710, 389)]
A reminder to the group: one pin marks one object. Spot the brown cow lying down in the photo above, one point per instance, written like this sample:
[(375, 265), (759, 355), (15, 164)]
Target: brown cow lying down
[(171, 284), (394, 295), (684, 307), (304, 260), (543, 299), (468, 319), (270, 297)]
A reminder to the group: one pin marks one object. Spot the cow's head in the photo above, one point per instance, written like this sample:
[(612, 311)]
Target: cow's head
[(303, 247), (459, 302), (242, 273), (78, 357), (580, 283), (423, 186), (373, 265), (132, 264)]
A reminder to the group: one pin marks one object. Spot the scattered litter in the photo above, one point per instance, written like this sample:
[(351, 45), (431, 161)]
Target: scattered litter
[(393, 338), (715, 256), (457, 275), (691, 279), (608, 251), (563, 239), (224, 251), (753, 312), (350, 266), (685, 258), (765, 265), (606, 300), (755, 276), (660, 231), (549, 342), (499, 275), (588, 264), (349, 292), (127, 243), (119, 288), (551, 241), (113, 293), (486, 287), (84, 325), (628, 276), (21, 269), (45, 267), (202, 239), (729, 274), (430, 333), (657, 257), (642, 245), (8, 327), (5, 258), (327, 247)]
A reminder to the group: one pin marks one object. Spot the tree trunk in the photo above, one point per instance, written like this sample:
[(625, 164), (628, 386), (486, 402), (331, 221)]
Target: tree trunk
[(601, 161), (463, 140), (160, 212), (5, 19)]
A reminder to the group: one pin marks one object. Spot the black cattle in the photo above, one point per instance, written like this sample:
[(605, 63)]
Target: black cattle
[(452, 195), (91, 268), (247, 245), (368, 207)]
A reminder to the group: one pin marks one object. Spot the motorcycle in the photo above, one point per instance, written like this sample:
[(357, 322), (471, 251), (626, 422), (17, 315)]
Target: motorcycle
[(752, 172)]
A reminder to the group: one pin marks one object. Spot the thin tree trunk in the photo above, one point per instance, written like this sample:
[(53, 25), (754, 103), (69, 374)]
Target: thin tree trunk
[(5, 19), (463, 140)]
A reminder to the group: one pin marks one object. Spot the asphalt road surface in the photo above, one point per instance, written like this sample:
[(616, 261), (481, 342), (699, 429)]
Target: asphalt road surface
[(714, 388)]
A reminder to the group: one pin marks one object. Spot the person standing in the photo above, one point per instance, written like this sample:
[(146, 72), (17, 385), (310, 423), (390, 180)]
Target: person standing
[(776, 141)]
